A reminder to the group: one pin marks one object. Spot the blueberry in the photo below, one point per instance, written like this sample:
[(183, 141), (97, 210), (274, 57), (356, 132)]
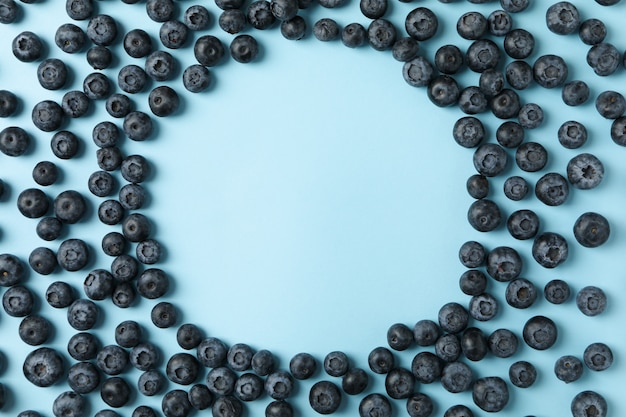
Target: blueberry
[(152, 283), (550, 249), (490, 393), (399, 336), (9, 11), (211, 352), (562, 18), (523, 224), (499, 22), (490, 159), (208, 50), (472, 100), (137, 125), (373, 9), (83, 377), (135, 169), (399, 383), (482, 54), (504, 264), (239, 357), (598, 356), (43, 367), (79, 9), (137, 43), (572, 134), (474, 344), (52, 74), (591, 229), (197, 17), (530, 116), (519, 44), (453, 317), (110, 212), (284, 9), (456, 377), (618, 131), (426, 367), (381, 360), (233, 21), (468, 132), (568, 368), (128, 334), (83, 346), (591, 300), (552, 189), (113, 244), (47, 115), (443, 91), (182, 368), (510, 134), (42, 260), (324, 397), (11, 270), (458, 410), (260, 14), (244, 48), (118, 105), (160, 66), (556, 291), (336, 364), (575, 93), (426, 332), (448, 347), (160, 10), (64, 144), (96, 86), (279, 409), (49, 228), (17, 301), (519, 74), (550, 71), (112, 359), (375, 405), (102, 30), (82, 314), (477, 186), (8, 103), (163, 101), (164, 315), (418, 72), (326, 29), (143, 410), (381, 34), (514, 6), (302, 365), (520, 293), (491, 82), (531, 157), (98, 284), (123, 294), (70, 38), (34, 330), (69, 403), (505, 104), (200, 397), (610, 104), (221, 381), (14, 141), (248, 387), (59, 294), (227, 406), (522, 374), (105, 134), (263, 362), (144, 356), (472, 254), (188, 336), (473, 282), (502, 343), (69, 206), (515, 188), (472, 25), (604, 59), (483, 307), (405, 49), (484, 215), (150, 383), (148, 251), (354, 381), (421, 24), (589, 403), (99, 57), (29, 413), (279, 385), (540, 332), (27, 47), (354, 35), (115, 392), (419, 405)]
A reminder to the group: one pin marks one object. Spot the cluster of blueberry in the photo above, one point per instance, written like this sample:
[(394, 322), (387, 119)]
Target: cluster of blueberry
[(229, 381)]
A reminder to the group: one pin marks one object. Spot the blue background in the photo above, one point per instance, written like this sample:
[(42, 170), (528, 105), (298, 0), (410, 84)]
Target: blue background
[(309, 200)]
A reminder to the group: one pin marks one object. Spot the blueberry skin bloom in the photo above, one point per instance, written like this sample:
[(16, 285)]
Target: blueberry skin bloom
[(490, 393), (69, 403), (568, 368), (591, 301), (598, 356), (325, 397), (589, 403), (504, 264), (453, 317), (43, 367), (490, 159), (585, 171), (562, 18), (550, 71), (47, 115), (552, 189)]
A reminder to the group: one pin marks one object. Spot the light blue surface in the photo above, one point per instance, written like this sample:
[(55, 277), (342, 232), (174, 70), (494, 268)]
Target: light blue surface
[(309, 200)]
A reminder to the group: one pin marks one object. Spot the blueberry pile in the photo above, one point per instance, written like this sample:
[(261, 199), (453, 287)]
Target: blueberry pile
[(209, 374)]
